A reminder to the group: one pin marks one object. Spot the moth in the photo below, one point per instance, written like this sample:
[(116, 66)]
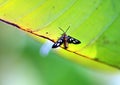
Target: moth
[(65, 40)]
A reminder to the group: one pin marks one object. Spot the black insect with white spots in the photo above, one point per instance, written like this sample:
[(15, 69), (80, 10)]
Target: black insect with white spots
[(64, 39)]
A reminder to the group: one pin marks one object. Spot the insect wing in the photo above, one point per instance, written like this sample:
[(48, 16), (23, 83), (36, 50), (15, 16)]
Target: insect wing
[(73, 40), (58, 43)]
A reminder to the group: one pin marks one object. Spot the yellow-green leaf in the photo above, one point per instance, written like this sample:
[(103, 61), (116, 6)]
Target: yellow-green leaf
[(95, 23)]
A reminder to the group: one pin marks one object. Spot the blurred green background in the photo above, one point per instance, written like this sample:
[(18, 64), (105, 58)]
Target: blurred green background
[(22, 64)]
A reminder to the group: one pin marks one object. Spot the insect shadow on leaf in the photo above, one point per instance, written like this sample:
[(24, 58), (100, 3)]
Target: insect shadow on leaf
[(65, 40)]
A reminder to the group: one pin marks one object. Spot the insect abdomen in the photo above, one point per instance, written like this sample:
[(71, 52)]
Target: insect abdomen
[(65, 41)]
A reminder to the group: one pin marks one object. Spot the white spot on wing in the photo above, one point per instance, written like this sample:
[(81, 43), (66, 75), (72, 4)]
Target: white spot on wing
[(59, 40), (58, 44), (74, 41)]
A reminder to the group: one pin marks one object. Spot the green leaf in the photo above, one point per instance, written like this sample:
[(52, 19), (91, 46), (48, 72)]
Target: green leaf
[(95, 23)]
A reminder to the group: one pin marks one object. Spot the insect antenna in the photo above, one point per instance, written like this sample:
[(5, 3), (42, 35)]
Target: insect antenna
[(67, 29), (63, 30)]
